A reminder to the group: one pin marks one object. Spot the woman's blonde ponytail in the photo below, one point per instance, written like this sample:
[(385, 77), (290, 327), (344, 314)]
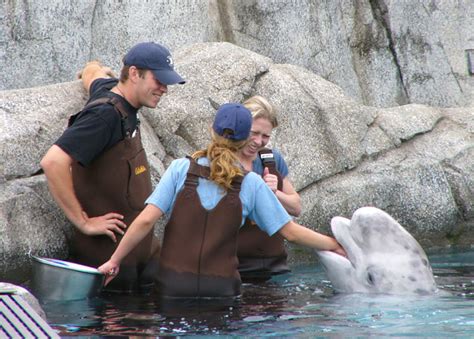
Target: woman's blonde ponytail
[(224, 163)]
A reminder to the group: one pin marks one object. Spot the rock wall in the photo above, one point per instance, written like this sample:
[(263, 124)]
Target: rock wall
[(414, 161), (381, 53)]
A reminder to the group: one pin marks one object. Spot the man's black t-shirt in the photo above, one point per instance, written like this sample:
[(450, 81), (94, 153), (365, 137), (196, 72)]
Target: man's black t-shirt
[(97, 129)]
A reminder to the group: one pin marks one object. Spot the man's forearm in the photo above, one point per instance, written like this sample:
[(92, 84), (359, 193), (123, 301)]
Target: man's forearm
[(56, 165), (61, 188)]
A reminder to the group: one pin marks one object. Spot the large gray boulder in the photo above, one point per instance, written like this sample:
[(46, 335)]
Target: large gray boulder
[(413, 161), (381, 53), (215, 73), (47, 42), (30, 221), (31, 118)]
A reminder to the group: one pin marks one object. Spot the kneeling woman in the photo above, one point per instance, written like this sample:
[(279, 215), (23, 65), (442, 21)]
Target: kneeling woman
[(209, 196)]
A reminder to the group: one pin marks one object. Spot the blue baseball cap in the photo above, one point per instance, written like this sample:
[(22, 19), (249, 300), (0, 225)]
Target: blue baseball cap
[(233, 121), (156, 58)]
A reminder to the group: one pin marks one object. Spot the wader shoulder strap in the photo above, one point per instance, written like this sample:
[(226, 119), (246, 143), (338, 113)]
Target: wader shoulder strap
[(118, 105), (197, 171)]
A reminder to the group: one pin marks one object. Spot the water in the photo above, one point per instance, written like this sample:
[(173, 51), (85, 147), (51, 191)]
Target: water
[(300, 304)]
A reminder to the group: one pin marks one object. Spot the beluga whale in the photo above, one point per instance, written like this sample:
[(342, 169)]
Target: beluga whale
[(382, 257)]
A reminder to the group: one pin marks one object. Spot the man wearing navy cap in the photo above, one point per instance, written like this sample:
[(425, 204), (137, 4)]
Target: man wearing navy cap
[(97, 170)]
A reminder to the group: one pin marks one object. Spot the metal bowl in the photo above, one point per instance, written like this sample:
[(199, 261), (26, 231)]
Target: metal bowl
[(55, 279)]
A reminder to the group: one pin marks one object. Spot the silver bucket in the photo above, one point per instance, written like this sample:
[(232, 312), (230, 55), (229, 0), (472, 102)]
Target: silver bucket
[(55, 279)]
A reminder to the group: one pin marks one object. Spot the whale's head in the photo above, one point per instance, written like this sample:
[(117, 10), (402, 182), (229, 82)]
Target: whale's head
[(382, 257)]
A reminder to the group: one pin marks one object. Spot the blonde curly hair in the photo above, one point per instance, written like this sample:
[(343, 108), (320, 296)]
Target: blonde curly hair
[(224, 163)]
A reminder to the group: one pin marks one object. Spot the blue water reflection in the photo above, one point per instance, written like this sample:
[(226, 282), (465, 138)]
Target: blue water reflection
[(299, 304)]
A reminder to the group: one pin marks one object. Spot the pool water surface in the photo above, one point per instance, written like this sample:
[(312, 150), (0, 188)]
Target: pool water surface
[(298, 304)]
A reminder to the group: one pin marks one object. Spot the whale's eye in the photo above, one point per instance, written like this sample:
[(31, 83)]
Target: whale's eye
[(370, 279)]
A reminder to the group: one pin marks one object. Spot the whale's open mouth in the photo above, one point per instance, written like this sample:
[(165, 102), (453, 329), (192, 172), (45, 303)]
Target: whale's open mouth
[(330, 256), (341, 231), (329, 259)]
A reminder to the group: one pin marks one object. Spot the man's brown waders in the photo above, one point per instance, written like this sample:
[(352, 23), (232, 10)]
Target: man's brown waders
[(117, 181)]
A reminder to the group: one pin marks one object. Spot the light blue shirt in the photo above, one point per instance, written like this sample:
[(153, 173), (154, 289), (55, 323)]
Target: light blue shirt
[(259, 203)]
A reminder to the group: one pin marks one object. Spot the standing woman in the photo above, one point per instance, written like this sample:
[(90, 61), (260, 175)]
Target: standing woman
[(208, 197), (261, 256)]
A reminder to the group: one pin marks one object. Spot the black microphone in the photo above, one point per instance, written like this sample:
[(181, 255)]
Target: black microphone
[(267, 158)]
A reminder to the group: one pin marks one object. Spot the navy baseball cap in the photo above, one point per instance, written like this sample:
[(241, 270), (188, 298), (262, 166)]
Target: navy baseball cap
[(156, 58), (233, 121)]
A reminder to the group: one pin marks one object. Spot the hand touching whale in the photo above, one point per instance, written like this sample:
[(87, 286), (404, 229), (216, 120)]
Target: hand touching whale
[(382, 257)]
